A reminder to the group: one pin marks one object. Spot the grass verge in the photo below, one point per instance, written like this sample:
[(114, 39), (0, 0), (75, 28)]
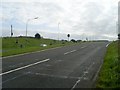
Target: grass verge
[(12, 46), (109, 74)]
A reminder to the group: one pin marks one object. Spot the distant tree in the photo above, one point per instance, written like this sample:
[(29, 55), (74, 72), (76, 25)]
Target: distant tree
[(118, 36), (37, 35), (79, 40), (73, 40), (68, 36)]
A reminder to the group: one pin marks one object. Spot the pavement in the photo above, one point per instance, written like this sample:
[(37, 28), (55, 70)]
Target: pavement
[(75, 66)]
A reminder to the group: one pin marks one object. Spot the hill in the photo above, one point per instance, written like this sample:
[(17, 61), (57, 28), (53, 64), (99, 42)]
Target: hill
[(18, 45)]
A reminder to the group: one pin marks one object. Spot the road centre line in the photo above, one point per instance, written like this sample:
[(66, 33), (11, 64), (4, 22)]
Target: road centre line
[(70, 52), (24, 67), (83, 47)]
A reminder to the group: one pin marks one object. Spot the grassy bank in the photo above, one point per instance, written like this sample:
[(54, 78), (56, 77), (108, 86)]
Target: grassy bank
[(13, 46), (109, 74)]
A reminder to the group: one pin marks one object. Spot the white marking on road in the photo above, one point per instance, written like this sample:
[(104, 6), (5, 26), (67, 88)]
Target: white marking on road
[(97, 72), (84, 73), (24, 67), (70, 52), (12, 78), (75, 84), (48, 75), (83, 47), (85, 78), (107, 45)]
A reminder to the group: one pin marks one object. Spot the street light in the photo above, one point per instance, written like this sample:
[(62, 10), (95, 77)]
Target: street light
[(58, 30), (27, 24)]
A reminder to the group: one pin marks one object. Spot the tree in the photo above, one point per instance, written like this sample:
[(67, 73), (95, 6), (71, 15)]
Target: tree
[(118, 36), (73, 40), (37, 35), (68, 36)]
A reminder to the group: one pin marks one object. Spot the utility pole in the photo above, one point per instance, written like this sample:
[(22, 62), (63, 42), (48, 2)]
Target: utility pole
[(11, 31), (58, 31), (27, 24)]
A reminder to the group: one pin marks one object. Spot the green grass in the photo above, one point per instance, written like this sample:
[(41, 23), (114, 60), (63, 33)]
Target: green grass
[(109, 74), (10, 47)]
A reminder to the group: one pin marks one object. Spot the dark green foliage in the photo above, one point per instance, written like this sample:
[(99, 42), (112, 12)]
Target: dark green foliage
[(37, 35)]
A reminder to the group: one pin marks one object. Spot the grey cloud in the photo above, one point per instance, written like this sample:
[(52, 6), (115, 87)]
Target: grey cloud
[(76, 17)]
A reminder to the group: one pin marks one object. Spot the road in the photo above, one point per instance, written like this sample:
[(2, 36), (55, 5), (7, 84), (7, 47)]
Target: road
[(75, 66)]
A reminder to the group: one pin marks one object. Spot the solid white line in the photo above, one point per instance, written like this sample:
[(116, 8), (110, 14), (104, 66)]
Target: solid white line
[(75, 84), (24, 67), (97, 72), (107, 45), (70, 52)]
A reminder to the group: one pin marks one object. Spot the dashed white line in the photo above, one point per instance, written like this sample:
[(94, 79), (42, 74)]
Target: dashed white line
[(24, 67), (83, 47), (97, 72), (70, 52)]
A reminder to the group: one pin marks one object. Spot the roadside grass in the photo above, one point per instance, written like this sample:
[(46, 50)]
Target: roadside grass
[(15, 45), (109, 74)]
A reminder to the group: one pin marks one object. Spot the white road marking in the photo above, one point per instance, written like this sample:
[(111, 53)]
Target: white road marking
[(83, 47), (84, 73), (48, 75), (97, 72), (24, 67), (75, 84), (12, 78), (70, 52), (107, 45)]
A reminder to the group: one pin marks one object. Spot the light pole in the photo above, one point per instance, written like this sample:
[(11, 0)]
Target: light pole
[(27, 24), (11, 31), (58, 30)]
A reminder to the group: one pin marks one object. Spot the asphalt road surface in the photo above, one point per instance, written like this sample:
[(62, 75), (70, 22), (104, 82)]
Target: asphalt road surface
[(75, 66)]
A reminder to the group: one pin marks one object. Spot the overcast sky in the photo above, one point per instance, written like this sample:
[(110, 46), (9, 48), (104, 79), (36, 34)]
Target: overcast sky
[(94, 19)]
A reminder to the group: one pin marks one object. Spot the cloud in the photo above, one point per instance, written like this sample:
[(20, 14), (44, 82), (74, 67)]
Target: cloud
[(89, 17)]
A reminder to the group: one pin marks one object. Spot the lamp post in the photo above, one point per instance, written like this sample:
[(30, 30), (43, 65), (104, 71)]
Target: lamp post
[(58, 30), (27, 24)]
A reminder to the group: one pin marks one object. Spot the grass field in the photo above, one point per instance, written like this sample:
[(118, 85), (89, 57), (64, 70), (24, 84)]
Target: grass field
[(13, 46), (110, 71)]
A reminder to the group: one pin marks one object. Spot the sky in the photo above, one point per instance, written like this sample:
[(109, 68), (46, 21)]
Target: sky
[(92, 19)]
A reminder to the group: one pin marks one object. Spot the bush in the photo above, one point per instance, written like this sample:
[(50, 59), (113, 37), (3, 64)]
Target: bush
[(37, 35), (72, 40)]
